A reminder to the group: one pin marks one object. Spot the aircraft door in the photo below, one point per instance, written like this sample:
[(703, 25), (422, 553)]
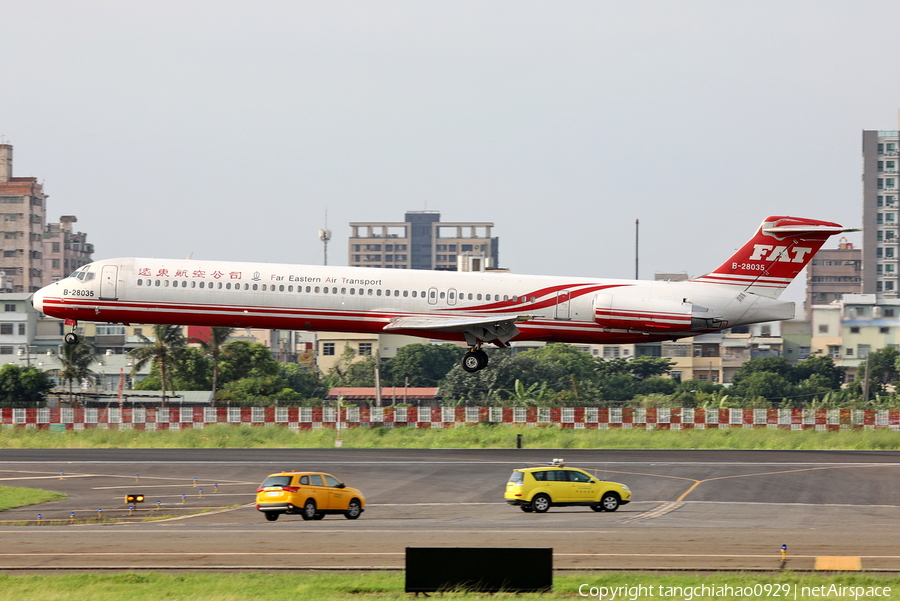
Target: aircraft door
[(451, 296), (563, 301), (432, 296), (108, 277)]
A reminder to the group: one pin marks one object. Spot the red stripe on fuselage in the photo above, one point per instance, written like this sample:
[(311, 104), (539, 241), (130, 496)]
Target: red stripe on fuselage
[(286, 318)]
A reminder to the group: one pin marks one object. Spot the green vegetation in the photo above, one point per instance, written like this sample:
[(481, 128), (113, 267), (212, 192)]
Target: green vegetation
[(556, 375), (23, 386), (15, 496), (385, 586), (476, 436), (553, 375)]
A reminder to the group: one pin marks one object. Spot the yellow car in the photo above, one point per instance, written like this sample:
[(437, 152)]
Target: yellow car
[(540, 488), (311, 494)]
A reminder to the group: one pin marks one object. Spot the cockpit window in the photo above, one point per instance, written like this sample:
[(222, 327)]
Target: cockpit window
[(83, 274)]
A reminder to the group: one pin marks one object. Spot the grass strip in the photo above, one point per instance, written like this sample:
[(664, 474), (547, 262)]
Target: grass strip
[(15, 496), (477, 436), (277, 586)]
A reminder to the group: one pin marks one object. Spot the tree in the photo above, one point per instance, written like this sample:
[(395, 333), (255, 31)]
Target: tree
[(305, 382), (421, 364), (192, 372), (23, 386), (480, 385), (884, 369), (772, 386), (163, 352), (76, 360), (829, 375), (343, 366), (264, 390), (649, 367), (213, 349), (241, 359), (534, 395), (772, 365), (360, 372)]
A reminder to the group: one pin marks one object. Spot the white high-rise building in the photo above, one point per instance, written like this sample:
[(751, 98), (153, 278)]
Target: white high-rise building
[(881, 189)]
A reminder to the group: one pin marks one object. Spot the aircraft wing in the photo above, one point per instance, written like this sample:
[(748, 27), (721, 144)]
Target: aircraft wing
[(492, 328)]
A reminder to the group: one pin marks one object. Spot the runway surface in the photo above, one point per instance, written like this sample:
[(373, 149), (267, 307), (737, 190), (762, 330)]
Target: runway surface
[(692, 509)]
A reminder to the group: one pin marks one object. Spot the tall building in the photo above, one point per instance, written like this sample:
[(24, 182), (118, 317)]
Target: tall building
[(423, 241), (881, 186), (832, 273), (64, 250), (22, 203)]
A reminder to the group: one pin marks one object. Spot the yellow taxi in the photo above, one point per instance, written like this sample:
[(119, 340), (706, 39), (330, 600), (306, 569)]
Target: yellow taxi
[(311, 494), (538, 489)]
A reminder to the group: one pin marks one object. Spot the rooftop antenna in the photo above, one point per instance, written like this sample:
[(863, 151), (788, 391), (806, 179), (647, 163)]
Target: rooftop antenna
[(325, 236)]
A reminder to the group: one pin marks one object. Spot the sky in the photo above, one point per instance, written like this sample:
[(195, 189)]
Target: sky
[(229, 128)]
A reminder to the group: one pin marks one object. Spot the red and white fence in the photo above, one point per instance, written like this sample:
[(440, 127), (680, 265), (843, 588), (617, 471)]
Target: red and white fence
[(301, 418)]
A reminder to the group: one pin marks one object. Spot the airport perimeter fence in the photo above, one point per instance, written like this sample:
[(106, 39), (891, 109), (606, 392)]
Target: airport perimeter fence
[(303, 418)]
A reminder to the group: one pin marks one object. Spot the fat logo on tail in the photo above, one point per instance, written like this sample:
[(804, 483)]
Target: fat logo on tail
[(780, 249)]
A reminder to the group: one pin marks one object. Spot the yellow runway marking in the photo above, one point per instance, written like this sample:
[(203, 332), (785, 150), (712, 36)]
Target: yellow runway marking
[(669, 507), (653, 513), (805, 469), (838, 563)]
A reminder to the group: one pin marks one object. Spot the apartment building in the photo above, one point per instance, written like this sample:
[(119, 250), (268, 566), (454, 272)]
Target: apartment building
[(881, 188), (423, 241), (847, 331), (64, 250), (832, 273), (22, 203)]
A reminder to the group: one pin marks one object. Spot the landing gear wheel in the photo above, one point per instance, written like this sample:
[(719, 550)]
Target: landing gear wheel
[(526, 508), (309, 510), (470, 362), (474, 361), (353, 510), (610, 501), (271, 516), (540, 503), (71, 338)]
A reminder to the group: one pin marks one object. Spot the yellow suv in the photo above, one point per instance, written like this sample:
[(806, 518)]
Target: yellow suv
[(311, 494), (540, 488)]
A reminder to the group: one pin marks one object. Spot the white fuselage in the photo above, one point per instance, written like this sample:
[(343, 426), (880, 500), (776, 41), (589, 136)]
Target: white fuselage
[(431, 304)]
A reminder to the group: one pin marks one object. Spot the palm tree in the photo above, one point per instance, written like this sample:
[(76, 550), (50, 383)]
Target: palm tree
[(76, 362), (211, 348), (163, 352)]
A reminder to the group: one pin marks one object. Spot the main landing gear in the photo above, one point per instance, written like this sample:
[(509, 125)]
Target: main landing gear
[(474, 360)]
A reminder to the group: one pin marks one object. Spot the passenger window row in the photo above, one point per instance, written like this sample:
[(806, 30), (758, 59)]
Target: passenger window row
[(328, 290)]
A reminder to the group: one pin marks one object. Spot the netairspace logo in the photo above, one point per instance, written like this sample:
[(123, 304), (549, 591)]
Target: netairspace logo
[(773, 590)]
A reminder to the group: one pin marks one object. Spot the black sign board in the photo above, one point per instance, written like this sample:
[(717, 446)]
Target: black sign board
[(485, 569)]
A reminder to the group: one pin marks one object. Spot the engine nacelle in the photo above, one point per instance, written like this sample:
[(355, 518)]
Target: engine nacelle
[(642, 314)]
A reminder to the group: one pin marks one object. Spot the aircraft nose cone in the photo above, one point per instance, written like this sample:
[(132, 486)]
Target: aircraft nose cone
[(37, 300)]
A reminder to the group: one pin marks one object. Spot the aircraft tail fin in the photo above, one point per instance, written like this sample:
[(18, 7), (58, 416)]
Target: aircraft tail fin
[(780, 249)]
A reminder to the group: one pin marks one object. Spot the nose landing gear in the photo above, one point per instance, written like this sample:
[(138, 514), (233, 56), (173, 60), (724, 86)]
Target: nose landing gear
[(474, 360), (71, 337)]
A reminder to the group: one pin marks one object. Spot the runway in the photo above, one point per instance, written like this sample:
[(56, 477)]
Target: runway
[(702, 510)]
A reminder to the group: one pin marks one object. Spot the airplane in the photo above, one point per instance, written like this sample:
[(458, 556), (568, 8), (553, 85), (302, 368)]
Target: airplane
[(475, 307)]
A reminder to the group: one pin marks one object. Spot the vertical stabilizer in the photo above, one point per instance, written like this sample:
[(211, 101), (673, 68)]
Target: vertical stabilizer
[(771, 259)]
